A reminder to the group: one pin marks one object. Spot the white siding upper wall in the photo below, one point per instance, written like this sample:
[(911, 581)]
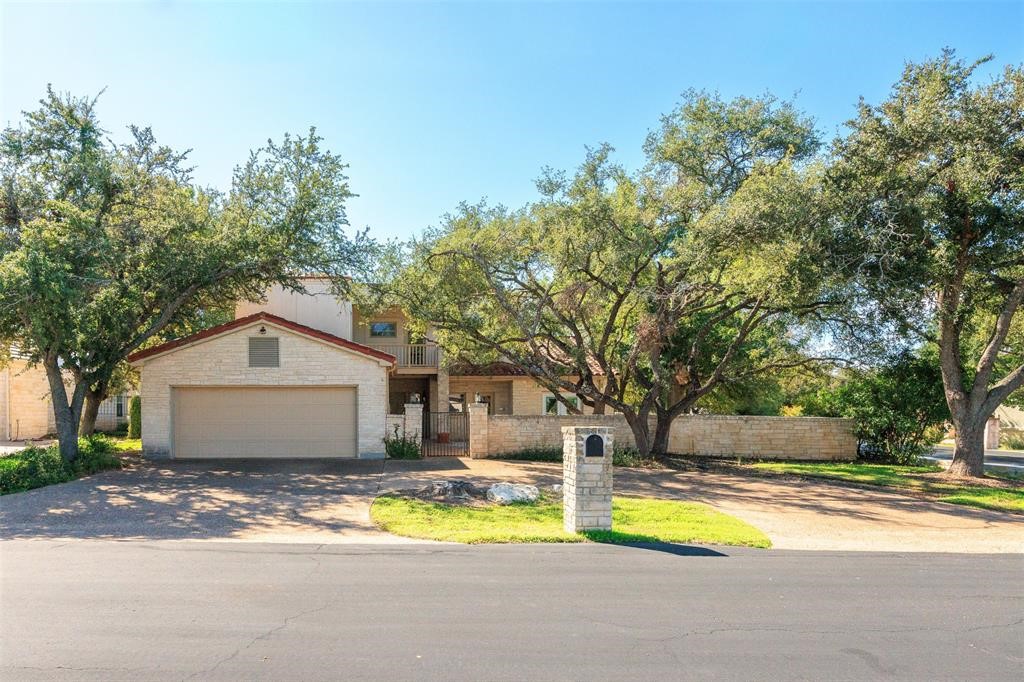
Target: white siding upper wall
[(318, 308), (224, 361)]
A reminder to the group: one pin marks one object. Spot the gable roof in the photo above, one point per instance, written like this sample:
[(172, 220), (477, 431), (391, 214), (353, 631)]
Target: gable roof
[(261, 317)]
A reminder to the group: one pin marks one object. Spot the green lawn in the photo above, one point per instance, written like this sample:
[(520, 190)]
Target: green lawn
[(633, 520), (906, 477), (127, 444)]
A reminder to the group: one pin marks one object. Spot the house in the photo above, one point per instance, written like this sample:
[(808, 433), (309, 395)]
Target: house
[(306, 375), (26, 409)]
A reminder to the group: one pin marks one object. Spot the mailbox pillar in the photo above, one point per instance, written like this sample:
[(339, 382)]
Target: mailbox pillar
[(587, 477)]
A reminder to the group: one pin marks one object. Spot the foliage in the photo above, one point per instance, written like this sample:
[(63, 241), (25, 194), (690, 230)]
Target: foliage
[(401, 447), (627, 456), (621, 456), (927, 193), (895, 407), (35, 467), (640, 292), (633, 520), (1000, 498), (135, 417), (107, 245), (533, 455), (1012, 441)]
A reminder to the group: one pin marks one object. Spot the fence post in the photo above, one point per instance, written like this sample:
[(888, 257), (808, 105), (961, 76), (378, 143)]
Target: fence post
[(477, 430), (413, 426)]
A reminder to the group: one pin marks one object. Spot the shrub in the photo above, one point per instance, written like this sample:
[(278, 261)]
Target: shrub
[(896, 409), (135, 417), (628, 456), (36, 467), (401, 447), (533, 455), (1013, 441)]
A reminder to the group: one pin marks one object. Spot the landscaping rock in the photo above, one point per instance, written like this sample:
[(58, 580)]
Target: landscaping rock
[(450, 490), (507, 493)]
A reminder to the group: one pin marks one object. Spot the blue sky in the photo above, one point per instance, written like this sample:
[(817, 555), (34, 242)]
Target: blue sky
[(433, 104)]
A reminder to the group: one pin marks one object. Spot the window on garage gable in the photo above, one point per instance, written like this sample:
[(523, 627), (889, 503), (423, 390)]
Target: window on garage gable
[(264, 352)]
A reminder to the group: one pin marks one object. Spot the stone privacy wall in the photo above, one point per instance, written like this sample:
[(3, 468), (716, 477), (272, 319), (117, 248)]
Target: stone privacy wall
[(507, 434), (768, 437)]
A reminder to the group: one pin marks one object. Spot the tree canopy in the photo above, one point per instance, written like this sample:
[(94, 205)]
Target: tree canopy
[(642, 291), (106, 244), (928, 189)]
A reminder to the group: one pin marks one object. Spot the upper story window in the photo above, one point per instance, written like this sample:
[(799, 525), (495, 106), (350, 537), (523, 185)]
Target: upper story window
[(264, 352), (384, 330)]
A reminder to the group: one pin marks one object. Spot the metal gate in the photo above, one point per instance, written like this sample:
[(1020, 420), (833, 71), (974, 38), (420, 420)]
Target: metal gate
[(445, 434)]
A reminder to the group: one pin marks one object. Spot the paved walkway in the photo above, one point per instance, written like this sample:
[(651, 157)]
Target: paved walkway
[(328, 502)]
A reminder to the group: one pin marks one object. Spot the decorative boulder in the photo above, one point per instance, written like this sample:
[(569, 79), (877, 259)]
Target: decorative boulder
[(507, 493), (449, 490)]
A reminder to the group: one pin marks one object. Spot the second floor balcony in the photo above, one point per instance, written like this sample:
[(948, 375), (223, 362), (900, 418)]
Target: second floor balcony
[(412, 355)]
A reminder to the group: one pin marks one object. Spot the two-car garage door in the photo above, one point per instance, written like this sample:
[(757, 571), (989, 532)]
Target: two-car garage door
[(264, 421)]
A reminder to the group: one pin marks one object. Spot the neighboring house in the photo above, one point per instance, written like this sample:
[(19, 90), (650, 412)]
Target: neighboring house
[(26, 409), (305, 375), (1009, 424)]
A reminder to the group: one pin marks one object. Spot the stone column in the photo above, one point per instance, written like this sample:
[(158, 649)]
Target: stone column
[(477, 430), (587, 477), (413, 426), (992, 433)]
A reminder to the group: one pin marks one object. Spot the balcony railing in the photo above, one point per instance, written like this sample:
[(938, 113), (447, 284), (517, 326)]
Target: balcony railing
[(411, 354)]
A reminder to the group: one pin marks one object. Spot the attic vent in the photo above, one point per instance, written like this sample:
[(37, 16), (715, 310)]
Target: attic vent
[(264, 352)]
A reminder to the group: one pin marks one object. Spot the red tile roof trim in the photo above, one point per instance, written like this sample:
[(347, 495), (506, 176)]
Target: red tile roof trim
[(262, 317)]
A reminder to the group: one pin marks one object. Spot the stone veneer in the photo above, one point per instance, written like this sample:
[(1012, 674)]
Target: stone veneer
[(818, 438), (25, 400), (586, 481), (224, 361)]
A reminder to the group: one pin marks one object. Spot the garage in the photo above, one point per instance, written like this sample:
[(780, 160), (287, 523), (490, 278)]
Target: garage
[(264, 421), (262, 386)]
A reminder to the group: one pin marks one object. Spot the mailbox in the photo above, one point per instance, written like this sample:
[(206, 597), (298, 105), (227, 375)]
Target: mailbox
[(587, 477)]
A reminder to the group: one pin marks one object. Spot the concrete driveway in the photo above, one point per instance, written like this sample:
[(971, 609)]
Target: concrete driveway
[(329, 502)]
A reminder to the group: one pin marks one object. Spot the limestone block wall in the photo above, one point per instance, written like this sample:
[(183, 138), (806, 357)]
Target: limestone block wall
[(506, 434), (223, 361), (724, 435), (769, 437)]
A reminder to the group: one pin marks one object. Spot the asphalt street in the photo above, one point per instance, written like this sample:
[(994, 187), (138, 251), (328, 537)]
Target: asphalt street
[(181, 610), (1011, 461)]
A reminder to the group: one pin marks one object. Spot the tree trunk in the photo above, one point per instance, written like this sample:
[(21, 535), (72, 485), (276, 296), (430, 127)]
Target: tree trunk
[(641, 432), (67, 414), (90, 412), (662, 430), (969, 449)]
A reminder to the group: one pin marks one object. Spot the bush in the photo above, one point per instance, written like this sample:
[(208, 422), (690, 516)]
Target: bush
[(621, 456), (629, 457), (896, 408), (533, 455), (36, 467), (135, 417), (400, 447), (1012, 441)]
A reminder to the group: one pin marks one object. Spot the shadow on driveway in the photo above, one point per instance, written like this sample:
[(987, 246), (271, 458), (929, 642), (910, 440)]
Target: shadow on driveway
[(202, 500)]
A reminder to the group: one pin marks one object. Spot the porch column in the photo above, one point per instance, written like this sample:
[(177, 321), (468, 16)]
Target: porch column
[(477, 430), (413, 426)]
